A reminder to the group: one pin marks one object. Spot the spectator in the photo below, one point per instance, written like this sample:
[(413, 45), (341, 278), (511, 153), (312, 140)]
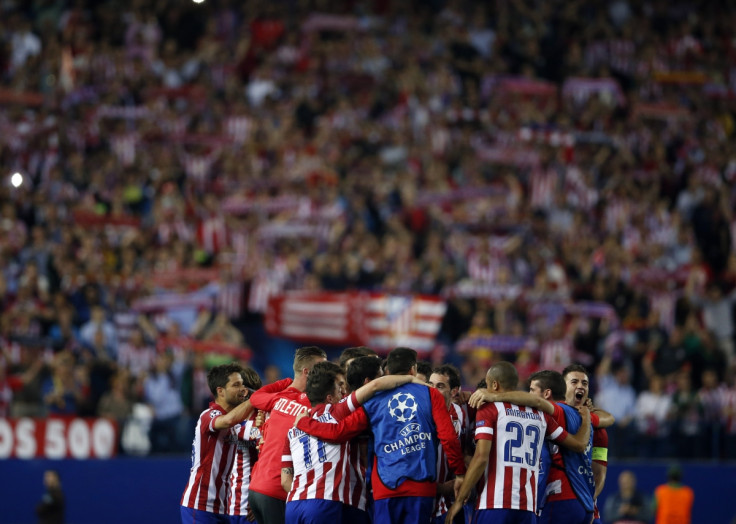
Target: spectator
[(628, 505), (653, 415), (162, 392), (618, 397), (51, 508)]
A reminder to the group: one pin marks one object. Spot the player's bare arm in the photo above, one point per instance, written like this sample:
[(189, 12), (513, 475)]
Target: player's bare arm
[(520, 398), (475, 470), (605, 419), (234, 416), (364, 393), (287, 478)]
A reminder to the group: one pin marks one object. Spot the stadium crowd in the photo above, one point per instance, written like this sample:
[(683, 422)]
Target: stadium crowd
[(562, 173)]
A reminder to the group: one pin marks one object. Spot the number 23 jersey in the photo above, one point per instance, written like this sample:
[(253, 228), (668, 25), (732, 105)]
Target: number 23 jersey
[(517, 433)]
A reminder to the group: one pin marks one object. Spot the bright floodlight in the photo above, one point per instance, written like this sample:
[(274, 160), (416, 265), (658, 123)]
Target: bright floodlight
[(197, 1), (16, 179)]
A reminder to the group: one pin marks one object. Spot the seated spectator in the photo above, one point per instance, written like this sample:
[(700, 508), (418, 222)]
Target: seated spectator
[(628, 505)]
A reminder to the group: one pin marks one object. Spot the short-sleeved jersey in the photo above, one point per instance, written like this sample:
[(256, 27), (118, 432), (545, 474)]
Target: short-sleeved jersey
[(517, 433), (357, 448), (600, 456), (212, 458), (443, 469), (283, 407), (320, 468), (246, 454)]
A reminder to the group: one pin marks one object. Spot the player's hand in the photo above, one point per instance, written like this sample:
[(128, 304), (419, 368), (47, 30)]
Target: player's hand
[(463, 397), (300, 416), (454, 510), (260, 418), (480, 397), (584, 411), (458, 482), (250, 516)]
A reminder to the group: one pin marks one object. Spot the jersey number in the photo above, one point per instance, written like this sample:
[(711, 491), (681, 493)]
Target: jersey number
[(304, 440), (531, 435)]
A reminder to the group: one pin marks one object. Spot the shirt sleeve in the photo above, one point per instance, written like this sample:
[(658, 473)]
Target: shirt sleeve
[(286, 459), (264, 398), (555, 432), (446, 432), (345, 408), (594, 420), (485, 422), (344, 430), (600, 447)]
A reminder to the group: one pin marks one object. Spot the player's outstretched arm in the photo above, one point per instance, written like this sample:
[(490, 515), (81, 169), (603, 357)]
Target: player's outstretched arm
[(384, 383), (520, 398), (234, 416)]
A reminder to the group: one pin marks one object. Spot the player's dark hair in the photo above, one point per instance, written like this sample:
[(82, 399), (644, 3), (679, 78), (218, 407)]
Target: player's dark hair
[(572, 368), (552, 380), (401, 360), (218, 376), (505, 374), (481, 385), (362, 368), (425, 368), (453, 375), (321, 381), (305, 357), (354, 352), (251, 379)]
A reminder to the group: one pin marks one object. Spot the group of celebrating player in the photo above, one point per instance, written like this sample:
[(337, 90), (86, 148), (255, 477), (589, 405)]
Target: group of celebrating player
[(395, 441)]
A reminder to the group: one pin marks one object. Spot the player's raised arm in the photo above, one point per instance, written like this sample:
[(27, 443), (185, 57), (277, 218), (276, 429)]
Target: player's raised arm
[(520, 398)]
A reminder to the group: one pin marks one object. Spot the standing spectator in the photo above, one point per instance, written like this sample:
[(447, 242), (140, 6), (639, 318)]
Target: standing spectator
[(688, 418), (63, 393), (652, 414), (162, 392), (617, 396), (673, 500), (51, 508), (627, 505), (136, 355), (98, 323)]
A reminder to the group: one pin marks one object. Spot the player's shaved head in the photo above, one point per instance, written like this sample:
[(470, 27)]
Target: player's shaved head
[(505, 374)]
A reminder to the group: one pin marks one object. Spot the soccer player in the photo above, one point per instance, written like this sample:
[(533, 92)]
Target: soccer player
[(350, 354), (314, 473), (213, 449), (446, 380), (570, 488), (267, 498), (424, 370), (509, 441), (248, 434), (405, 423)]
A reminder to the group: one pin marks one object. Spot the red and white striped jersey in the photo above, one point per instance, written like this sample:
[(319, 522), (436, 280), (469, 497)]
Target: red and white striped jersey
[(358, 450), (443, 469), (320, 468), (517, 433), (246, 454), (212, 459)]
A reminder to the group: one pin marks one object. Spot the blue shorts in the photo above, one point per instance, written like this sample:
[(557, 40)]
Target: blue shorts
[(567, 511), (403, 510), (197, 516), (460, 518), (240, 519), (504, 516), (314, 511), (597, 521), (353, 515)]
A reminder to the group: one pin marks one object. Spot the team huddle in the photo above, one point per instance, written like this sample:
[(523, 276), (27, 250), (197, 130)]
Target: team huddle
[(395, 441)]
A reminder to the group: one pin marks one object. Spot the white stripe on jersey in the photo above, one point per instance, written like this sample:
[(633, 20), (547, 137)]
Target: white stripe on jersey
[(245, 454)]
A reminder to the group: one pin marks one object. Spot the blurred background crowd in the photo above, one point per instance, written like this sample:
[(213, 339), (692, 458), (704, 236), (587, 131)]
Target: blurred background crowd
[(562, 173)]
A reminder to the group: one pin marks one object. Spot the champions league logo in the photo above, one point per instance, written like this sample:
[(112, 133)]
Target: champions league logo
[(402, 407)]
